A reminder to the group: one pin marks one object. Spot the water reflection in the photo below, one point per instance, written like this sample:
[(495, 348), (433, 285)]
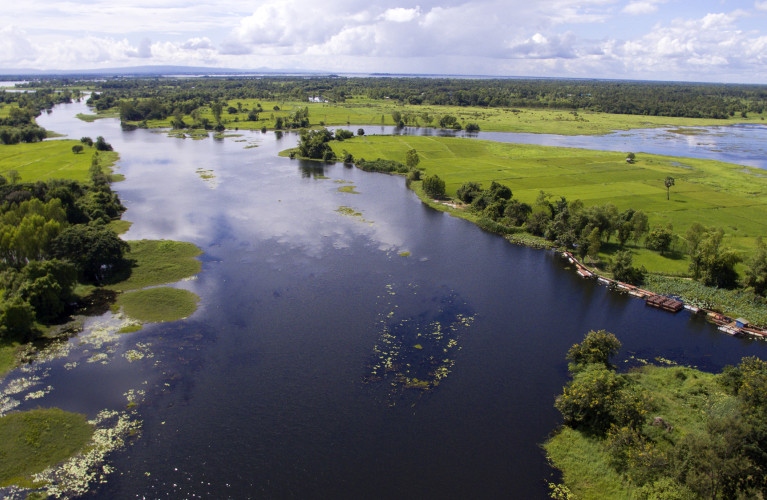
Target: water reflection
[(262, 392)]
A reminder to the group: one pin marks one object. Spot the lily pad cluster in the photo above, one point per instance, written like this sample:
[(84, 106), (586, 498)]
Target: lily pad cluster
[(416, 350)]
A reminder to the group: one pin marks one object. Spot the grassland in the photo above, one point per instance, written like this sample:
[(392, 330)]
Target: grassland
[(371, 113), (35, 439), (43, 161), (681, 396), (715, 193)]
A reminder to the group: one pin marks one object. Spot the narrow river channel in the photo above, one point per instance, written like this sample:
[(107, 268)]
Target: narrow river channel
[(279, 385)]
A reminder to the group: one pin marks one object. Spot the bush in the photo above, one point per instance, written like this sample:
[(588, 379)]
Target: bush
[(434, 186)]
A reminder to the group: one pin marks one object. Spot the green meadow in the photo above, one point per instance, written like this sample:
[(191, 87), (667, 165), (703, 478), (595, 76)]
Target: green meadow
[(46, 160), (711, 192)]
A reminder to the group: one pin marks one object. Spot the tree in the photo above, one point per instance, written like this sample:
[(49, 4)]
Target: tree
[(469, 191), (668, 182), (48, 286), (17, 318), (659, 239), (102, 144), (411, 159), (597, 348), (756, 268), (13, 176), (623, 269), (587, 401), (87, 141), (360, 132), (630, 157), (710, 262), (314, 144), (594, 244), (96, 251), (517, 212), (77, 148), (434, 186)]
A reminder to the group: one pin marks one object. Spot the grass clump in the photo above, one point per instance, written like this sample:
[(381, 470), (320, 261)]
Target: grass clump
[(158, 304), (33, 440)]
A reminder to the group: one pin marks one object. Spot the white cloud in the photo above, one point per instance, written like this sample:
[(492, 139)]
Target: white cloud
[(641, 7), (401, 15), (15, 46), (586, 38)]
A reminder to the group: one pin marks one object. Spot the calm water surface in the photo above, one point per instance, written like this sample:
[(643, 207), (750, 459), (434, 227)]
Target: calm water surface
[(262, 393)]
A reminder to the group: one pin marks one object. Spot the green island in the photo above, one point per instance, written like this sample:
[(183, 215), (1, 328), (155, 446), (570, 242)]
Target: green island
[(653, 432), (61, 259), (658, 432)]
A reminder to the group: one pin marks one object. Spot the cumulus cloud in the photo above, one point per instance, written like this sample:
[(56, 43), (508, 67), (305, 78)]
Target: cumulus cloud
[(15, 46), (519, 37), (144, 50)]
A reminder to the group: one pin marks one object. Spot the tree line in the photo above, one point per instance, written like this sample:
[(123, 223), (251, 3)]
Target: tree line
[(692, 100)]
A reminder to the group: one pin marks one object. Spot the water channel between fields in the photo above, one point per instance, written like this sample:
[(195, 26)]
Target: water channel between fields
[(313, 299)]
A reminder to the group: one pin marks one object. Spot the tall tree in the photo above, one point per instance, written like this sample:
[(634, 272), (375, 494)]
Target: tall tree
[(668, 182)]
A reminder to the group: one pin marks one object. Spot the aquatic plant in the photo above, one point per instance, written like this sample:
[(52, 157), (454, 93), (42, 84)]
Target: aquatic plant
[(417, 352)]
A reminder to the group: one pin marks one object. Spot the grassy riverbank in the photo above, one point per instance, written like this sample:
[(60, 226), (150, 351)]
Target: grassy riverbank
[(372, 113), (721, 194)]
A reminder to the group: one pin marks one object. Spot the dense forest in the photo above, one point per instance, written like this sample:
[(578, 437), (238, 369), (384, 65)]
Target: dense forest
[(54, 235), (693, 100)]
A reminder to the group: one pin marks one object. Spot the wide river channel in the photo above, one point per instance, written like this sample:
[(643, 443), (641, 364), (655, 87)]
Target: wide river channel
[(313, 298)]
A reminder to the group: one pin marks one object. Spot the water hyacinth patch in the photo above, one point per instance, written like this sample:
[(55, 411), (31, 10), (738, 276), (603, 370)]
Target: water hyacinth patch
[(415, 353)]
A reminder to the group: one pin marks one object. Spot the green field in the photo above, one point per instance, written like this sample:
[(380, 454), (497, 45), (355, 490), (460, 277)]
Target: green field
[(43, 161), (372, 113), (714, 193)]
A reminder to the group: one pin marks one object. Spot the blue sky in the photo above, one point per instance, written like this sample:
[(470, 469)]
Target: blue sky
[(702, 40)]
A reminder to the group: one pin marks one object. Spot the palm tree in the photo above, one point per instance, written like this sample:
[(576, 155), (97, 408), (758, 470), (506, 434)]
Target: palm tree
[(668, 182)]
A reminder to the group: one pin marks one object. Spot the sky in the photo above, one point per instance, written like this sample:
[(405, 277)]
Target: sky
[(671, 40)]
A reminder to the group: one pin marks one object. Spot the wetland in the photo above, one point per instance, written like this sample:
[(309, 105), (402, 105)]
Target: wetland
[(347, 342)]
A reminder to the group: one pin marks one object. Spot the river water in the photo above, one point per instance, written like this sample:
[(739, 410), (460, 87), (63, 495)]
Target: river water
[(277, 386)]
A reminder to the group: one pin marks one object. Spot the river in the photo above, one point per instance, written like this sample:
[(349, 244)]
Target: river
[(277, 386)]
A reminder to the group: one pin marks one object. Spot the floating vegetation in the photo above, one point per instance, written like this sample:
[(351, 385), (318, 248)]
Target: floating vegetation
[(416, 350), (74, 476), (348, 189), (208, 176), (404, 254), (350, 212)]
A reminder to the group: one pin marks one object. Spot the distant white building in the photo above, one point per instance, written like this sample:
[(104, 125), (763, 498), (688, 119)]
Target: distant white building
[(317, 99)]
